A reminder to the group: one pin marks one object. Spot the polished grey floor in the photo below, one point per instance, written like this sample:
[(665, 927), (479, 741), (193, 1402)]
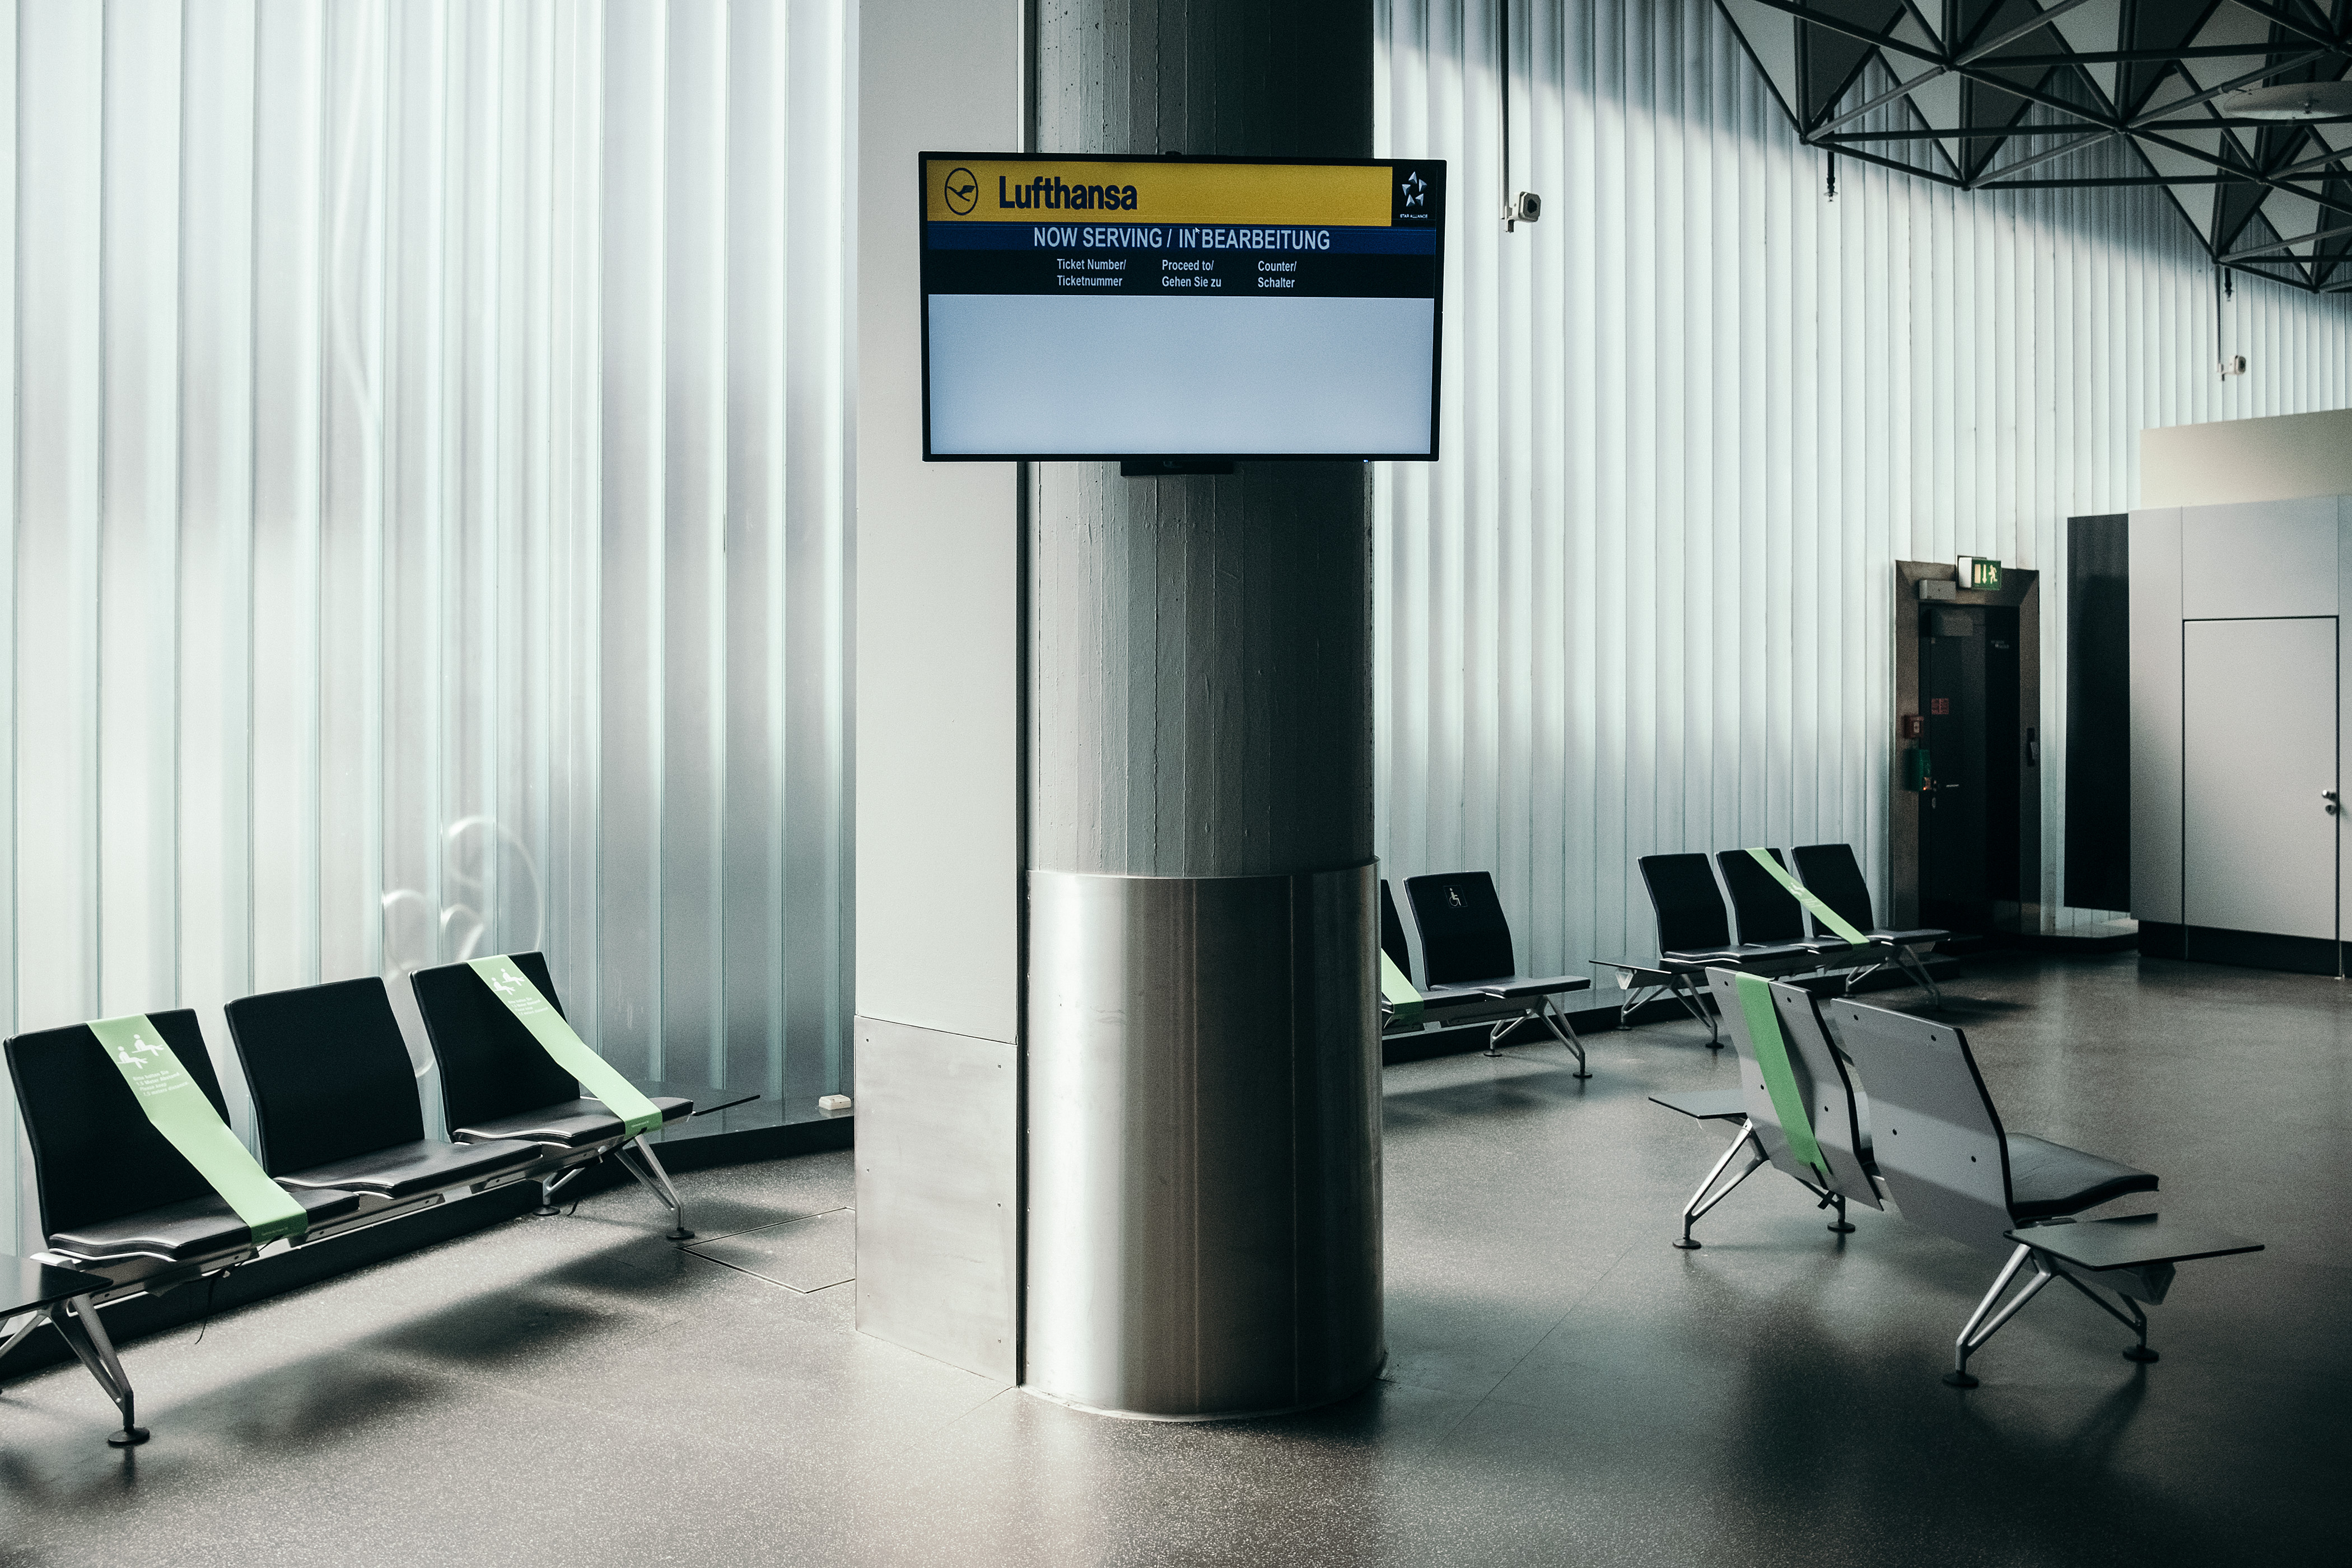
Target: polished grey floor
[(1563, 1386)]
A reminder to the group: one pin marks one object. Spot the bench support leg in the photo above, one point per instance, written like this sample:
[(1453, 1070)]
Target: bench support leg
[(1839, 1225), (1564, 1032), (548, 1186), (1972, 1339), (2131, 1318), (637, 1158), (86, 1336), (1695, 1209), (1686, 992), (32, 1320), (1917, 969)]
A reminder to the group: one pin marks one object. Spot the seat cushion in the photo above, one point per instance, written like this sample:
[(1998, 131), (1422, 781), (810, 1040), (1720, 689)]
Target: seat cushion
[(1768, 951), (566, 1124), (1706, 1104), (1682, 959), (1512, 987), (1922, 937), (196, 1228), (412, 1170), (2047, 1180)]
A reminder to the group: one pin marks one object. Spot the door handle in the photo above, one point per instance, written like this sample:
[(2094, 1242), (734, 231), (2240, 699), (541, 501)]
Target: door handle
[(2329, 796)]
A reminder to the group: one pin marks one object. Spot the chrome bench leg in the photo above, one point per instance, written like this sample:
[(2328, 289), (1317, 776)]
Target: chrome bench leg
[(1971, 1339), (1694, 1210), (637, 1158), (1565, 1032), (78, 1321)]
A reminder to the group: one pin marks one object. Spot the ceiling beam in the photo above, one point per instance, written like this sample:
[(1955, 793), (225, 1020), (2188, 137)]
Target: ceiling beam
[(1852, 30), (2290, 244), (1963, 133), (2300, 28), (2157, 57), (2249, 176), (2049, 14)]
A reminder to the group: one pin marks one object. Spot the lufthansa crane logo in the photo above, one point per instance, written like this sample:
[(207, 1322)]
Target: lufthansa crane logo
[(962, 191)]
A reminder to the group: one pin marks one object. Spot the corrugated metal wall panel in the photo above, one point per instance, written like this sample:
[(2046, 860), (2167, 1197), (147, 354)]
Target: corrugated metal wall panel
[(425, 481), (1693, 417)]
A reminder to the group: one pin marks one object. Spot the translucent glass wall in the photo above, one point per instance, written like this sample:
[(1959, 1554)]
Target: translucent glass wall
[(1691, 417), (423, 470)]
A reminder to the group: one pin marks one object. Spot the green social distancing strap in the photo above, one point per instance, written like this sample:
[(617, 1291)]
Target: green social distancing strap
[(1846, 931), (510, 985), (1403, 1001), (177, 1106), (1779, 1078)]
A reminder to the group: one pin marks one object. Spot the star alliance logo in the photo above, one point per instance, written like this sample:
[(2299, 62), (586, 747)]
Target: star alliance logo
[(1415, 191)]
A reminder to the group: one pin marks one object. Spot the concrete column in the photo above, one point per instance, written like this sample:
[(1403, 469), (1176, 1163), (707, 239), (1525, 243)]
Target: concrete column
[(1203, 1176)]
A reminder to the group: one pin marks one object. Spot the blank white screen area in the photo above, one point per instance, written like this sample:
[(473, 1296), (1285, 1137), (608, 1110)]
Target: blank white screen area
[(1025, 375)]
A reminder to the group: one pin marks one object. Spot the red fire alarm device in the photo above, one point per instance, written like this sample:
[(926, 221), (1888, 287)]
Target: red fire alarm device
[(1939, 706), (1914, 726)]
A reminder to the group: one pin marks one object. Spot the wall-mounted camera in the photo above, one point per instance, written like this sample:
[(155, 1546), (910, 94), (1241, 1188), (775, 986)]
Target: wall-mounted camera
[(1524, 207), (2235, 364)]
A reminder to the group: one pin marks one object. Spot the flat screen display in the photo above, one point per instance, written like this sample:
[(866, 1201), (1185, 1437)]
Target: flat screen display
[(1211, 307)]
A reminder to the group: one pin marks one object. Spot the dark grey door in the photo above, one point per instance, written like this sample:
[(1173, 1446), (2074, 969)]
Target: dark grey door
[(1969, 817)]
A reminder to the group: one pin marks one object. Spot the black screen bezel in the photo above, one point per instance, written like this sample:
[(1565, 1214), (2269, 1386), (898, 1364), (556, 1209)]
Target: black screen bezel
[(923, 304)]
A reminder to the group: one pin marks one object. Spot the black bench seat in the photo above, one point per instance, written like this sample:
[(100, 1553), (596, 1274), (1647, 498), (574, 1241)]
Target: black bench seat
[(403, 1170), (566, 1124), (192, 1228), (2047, 1179), (334, 1098), (498, 1082)]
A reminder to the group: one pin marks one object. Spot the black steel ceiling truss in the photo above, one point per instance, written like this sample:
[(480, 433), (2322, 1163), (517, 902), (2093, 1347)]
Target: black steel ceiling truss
[(1980, 94)]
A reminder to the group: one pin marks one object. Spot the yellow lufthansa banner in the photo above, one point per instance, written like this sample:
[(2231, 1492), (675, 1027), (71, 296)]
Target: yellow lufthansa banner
[(1035, 190)]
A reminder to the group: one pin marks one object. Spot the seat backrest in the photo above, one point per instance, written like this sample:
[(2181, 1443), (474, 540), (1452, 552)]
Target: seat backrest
[(1392, 934), (1933, 1131), (1769, 1113), (329, 1071), (1836, 1107), (96, 1156), (1688, 907), (1832, 874), (1464, 935), (490, 1065), (1767, 910)]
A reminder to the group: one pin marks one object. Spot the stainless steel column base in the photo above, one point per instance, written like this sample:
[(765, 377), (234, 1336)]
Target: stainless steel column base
[(1203, 1141), (1210, 1415)]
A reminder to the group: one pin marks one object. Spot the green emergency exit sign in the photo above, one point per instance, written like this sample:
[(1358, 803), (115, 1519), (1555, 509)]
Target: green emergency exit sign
[(1980, 572)]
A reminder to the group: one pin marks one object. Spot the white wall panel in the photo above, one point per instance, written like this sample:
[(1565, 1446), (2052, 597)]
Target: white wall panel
[(1693, 417), (424, 470)]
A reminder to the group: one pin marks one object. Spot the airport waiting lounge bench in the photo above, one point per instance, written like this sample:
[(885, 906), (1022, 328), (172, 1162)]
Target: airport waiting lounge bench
[(342, 1146), (1695, 927), (1832, 874), (120, 1204), (1952, 1167), (1473, 978), (1796, 1107), (335, 1103), (1695, 936), (500, 1085)]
